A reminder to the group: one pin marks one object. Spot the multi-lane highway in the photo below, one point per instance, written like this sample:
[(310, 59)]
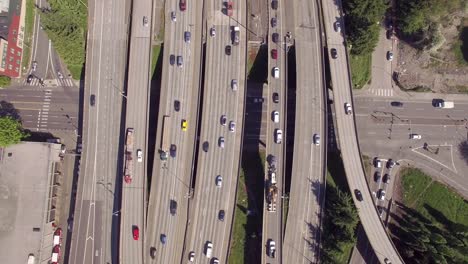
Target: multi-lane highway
[(347, 135), (179, 101), (95, 229), (133, 206), (303, 226), (275, 144), (211, 211)]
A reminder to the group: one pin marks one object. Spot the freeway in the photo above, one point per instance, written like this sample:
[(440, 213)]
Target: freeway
[(216, 159), (347, 135), (302, 234), (171, 178), (133, 207), (273, 202), (95, 228)]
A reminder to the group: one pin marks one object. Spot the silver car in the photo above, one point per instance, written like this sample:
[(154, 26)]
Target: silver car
[(173, 16), (219, 181), (187, 36), (234, 84), (221, 142), (180, 61), (232, 126)]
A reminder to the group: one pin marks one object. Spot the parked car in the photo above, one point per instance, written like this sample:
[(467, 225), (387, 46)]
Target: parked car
[(182, 5), (180, 61), (173, 207), (386, 178), (206, 146), (389, 34), (377, 162), (34, 66), (213, 31), (390, 164), (276, 72), (415, 136), (377, 176), (389, 55), (274, 4), (337, 26), (184, 125), (172, 59), (163, 239), (278, 136), (191, 256), (234, 84), (275, 116), (381, 194)]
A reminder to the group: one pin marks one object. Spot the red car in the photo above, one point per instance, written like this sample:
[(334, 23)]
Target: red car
[(274, 54), (229, 8), (56, 253), (182, 5), (136, 232), (58, 237)]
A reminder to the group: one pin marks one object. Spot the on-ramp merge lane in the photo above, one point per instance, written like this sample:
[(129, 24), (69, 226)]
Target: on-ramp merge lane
[(346, 129)]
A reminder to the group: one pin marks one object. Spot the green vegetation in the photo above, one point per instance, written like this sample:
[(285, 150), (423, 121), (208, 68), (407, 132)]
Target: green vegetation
[(245, 242), (5, 81), (432, 226), (362, 24), (11, 131), (360, 69), (460, 48), (341, 217), (155, 55), (28, 32), (66, 25)]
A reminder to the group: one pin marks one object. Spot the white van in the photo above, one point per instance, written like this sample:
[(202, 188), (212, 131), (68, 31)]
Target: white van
[(209, 249), (276, 72)]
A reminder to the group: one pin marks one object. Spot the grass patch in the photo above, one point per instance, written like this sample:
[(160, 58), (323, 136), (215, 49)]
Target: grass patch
[(419, 192), (458, 51), (360, 69), (367, 162), (252, 54), (461, 88), (154, 57), (28, 33), (246, 243)]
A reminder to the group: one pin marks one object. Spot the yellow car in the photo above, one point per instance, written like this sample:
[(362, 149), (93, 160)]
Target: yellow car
[(184, 125)]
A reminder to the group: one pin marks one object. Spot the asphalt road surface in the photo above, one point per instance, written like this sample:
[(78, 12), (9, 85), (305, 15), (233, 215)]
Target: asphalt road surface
[(346, 131), (273, 214), (133, 209), (171, 179), (302, 235), (219, 99), (95, 236)]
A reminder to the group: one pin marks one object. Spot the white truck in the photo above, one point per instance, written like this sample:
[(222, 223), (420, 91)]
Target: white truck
[(128, 156), (272, 249), (443, 104), (235, 35), (165, 138)]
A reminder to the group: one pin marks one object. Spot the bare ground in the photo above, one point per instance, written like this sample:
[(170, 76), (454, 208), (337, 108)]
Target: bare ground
[(436, 71)]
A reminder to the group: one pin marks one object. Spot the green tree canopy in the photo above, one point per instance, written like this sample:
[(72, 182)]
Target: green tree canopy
[(5, 81), (11, 131)]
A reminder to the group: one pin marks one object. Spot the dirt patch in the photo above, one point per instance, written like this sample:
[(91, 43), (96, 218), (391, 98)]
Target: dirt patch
[(441, 71)]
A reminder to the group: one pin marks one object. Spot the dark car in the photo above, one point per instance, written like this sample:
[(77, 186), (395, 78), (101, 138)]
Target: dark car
[(177, 105), (92, 100), (274, 54), (358, 195), (275, 97), (173, 150), (275, 37), (274, 4), (389, 34), (187, 36), (182, 5), (173, 207), (152, 252), (386, 178), (274, 22), (30, 78), (396, 104), (390, 164), (206, 146), (334, 54), (228, 50), (172, 59), (221, 215), (377, 176)]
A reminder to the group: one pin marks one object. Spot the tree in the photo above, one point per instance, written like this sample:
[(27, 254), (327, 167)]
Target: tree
[(11, 131), (5, 81)]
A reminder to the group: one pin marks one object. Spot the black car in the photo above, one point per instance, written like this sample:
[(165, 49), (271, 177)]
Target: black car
[(274, 4), (377, 176), (221, 215), (358, 195), (396, 104), (390, 164), (275, 37), (389, 34), (92, 100), (274, 22), (173, 150), (386, 178), (172, 59), (173, 207), (152, 252), (334, 54), (228, 50), (206, 146), (275, 97), (177, 105), (30, 78)]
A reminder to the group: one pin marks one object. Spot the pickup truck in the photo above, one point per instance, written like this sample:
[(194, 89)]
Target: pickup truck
[(439, 103)]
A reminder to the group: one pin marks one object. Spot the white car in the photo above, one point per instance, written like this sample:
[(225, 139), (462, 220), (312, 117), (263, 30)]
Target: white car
[(232, 126), (140, 155), (234, 84), (272, 249), (389, 55), (276, 73), (377, 163), (278, 136), (337, 26), (145, 21), (213, 31), (348, 108), (415, 136), (191, 256), (219, 181), (275, 116), (173, 16), (221, 142), (317, 139)]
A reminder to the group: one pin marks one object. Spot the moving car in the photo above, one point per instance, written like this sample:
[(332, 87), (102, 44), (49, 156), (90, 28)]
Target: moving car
[(275, 116), (92, 100), (214, 261), (173, 16), (182, 5), (219, 181), (317, 139), (173, 207), (275, 37), (337, 26), (206, 146), (415, 136), (139, 155), (34, 65), (145, 21), (177, 105), (389, 55), (232, 126), (173, 150), (271, 248), (278, 136), (221, 142), (187, 36), (172, 59), (275, 97), (223, 120), (184, 125), (213, 31), (152, 252), (228, 50), (334, 53), (163, 239), (274, 54), (274, 4), (180, 61), (396, 104), (380, 210), (136, 232), (191, 256), (221, 215), (274, 22), (276, 72), (208, 249), (30, 78), (234, 84), (358, 195), (348, 108)]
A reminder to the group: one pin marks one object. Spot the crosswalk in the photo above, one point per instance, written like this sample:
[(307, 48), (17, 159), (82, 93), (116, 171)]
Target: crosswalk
[(65, 82), (381, 92), (43, 115)]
